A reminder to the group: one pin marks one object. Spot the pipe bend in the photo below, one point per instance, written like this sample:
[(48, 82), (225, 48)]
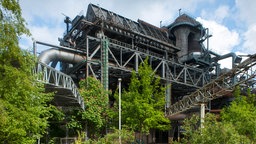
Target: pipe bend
[(54, 54), (235, 58)]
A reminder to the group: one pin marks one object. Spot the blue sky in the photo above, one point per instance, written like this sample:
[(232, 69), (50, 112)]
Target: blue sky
[(231, 22)]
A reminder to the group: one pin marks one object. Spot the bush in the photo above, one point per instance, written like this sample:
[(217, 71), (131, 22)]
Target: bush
[(127, 136)]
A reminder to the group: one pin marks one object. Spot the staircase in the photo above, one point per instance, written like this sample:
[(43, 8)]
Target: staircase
[(66, 93)]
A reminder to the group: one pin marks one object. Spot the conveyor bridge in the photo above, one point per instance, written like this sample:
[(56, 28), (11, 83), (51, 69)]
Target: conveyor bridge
[(219, 87)]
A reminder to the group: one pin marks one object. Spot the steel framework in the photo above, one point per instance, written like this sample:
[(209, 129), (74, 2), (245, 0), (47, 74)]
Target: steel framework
[(217, 88), (66, 91), (114, 46), (125, 57)]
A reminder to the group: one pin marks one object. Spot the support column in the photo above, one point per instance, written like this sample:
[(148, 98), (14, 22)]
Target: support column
[(104, 60), (136, 62), (34, 48), (202, 114), (168, 94), (87, 57)]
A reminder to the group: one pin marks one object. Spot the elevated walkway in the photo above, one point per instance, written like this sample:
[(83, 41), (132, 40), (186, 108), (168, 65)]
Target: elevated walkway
[(65, 90), (219, 87)]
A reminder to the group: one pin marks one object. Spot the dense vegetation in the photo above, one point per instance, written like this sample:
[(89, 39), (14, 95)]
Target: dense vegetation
[(23, 104), (93, 118), (143, 103), (237, 124)]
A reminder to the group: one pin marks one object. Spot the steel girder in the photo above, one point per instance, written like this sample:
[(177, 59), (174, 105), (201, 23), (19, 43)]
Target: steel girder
[(224, 84), (125, 57)]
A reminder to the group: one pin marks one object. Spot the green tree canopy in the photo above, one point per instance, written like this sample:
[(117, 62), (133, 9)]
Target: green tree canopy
[(23, 105), (96, 104), (242, 114), (143, 104), (237, 124)]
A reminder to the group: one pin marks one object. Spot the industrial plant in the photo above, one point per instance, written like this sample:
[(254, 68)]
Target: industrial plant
[(108, 46)]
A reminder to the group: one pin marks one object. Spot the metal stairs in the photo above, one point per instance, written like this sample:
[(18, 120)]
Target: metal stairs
[(66, 93)]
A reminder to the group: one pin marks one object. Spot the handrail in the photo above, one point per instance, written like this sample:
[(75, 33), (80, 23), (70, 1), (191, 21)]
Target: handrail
[(51, 76)]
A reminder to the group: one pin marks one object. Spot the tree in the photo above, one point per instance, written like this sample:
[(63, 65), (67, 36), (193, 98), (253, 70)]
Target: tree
[(96, 105), (143, 104), (23, 103), (237, 124), (242, 114), (213, 132)]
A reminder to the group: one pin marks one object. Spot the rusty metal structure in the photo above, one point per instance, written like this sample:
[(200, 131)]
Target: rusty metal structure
[(108, 46)]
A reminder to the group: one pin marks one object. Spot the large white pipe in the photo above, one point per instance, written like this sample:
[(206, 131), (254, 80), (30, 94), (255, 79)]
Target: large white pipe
[(54, 54)]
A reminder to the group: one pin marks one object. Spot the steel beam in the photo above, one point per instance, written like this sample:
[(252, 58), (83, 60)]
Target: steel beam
[(218, 87)]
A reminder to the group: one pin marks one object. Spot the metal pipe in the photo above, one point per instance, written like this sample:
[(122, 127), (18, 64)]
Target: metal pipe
[(61, 47), (235, 58), (213, 53), (55, 54)]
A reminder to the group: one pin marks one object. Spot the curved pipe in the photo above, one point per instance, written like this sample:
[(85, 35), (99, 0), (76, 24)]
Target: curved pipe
[(54, 54), (235, 58)]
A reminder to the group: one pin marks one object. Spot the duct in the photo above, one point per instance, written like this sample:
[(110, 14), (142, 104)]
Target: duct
[(54, 54), (235, 58), (215, 54), (177, 117)]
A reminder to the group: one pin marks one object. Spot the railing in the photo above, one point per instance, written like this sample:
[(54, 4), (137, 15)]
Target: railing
[(51, 76), (224, 84)]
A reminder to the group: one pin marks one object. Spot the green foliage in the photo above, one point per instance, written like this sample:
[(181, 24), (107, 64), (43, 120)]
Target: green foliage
[(237, 125), (213, 132), (22, 98), (12, 22), (127, 136), (23, 103), (143, 103), (96, 101), (242, 114)]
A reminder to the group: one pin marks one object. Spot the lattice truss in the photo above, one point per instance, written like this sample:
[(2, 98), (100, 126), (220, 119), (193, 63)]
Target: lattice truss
[(59, 82), (244, 73), (126, 57)]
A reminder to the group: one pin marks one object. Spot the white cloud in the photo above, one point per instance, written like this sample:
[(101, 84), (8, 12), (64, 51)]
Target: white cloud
[(45, 34), (45, 19), (249, 45), (221, 13), (218, 15), (246, 11), (51, 10), (223, 39), (151, 11), (245, 19)]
